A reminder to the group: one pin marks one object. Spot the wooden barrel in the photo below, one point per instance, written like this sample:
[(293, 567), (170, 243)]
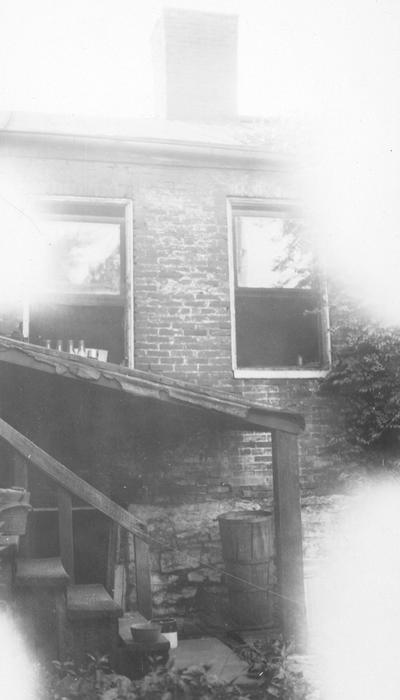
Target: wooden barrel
[(247, 538)]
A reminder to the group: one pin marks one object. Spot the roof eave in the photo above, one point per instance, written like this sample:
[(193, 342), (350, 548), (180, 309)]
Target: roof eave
[(121, 149), (142, 384)]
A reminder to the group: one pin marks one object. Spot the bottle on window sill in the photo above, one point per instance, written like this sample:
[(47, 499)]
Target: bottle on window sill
[(81, 348), (71, 346), (59, 345), (47, 344)]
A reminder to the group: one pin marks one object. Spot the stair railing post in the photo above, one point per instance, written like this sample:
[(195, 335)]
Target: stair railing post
[(20, 470), (20, 478), (66, 533), (143, 577)]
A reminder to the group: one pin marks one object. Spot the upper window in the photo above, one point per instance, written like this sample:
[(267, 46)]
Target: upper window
[(83, 246), (280, 318), (82, 257), (84, 290)]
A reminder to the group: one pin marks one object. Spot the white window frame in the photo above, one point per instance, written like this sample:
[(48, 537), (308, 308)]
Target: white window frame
[(256, 206), (127, 208)]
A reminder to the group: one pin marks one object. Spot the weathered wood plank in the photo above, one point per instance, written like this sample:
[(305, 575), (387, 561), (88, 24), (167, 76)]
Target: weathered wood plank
[(288, 535), (112, 554), (120, 585), (20, 471), (138, 384), (20, 478), (71, 482), (143, 578), (61, 624), (66, 532)]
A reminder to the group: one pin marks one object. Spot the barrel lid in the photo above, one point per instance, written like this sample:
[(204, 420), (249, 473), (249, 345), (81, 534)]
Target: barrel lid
[(252, 516)]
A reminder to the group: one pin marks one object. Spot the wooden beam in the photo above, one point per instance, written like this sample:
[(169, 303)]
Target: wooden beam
[(288, 536), (66, 532), (143, 578), (275, 421), (70, 481)]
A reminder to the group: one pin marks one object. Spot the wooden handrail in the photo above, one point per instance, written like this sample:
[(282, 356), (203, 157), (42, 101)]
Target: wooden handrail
[(71, 482)]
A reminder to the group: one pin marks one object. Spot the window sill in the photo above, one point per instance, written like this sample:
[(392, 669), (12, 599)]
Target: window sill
[(250, 373)]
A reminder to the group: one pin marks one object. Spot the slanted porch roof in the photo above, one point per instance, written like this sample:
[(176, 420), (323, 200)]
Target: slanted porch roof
[(231, 411), (176, 404)]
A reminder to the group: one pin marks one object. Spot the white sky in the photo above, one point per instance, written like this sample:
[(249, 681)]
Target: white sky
[(93, 56), (337, 62)]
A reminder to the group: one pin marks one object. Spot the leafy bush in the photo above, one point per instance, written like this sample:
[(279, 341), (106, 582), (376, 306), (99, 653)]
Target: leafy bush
[(270, 662), (162, 683), (366, 378), (269, 666)]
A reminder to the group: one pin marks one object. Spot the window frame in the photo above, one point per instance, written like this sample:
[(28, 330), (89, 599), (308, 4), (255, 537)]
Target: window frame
[(257, 207), (125, 297)]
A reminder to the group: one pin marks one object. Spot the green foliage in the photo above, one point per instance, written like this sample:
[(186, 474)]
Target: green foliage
[(268, 664), (366, 380)]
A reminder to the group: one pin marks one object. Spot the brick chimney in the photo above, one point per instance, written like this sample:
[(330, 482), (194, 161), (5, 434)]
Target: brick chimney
[(195, 66)]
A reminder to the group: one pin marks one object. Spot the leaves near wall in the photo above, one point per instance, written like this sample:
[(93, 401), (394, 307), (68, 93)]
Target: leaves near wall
[(366, 377), (275, 677)]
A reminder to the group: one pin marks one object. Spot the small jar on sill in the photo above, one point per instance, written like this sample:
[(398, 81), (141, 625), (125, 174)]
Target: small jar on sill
[(81, 348)]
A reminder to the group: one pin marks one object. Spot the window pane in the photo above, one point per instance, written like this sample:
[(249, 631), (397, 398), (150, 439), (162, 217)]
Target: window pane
[(272, 253), (81, 257), (277, 328)]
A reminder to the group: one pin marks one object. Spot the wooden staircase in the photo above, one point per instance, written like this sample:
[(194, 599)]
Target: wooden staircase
[(61, 618)]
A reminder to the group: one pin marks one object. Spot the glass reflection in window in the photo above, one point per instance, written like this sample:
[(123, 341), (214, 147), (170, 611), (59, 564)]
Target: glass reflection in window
[(82, 257)]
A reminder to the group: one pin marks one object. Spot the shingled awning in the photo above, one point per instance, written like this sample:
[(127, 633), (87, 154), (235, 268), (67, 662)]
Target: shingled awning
[(233, 411)]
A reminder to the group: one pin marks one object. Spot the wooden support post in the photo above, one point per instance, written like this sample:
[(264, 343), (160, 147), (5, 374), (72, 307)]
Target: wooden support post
[(66, 534), (114, 539), (61, 624), (288, 536), (20, 470), (143, 578), (20, 478)]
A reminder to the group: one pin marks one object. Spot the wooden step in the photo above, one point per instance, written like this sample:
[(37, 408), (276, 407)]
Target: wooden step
[(41, 573), (8, 551), (90, 601), (92, 616), (40, 593), (8, 545)]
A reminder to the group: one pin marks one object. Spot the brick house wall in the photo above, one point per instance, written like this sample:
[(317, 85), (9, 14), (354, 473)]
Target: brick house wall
[(182, 326), (181, 291)]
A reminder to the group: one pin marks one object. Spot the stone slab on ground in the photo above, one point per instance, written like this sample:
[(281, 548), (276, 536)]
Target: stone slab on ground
[(224, 664)]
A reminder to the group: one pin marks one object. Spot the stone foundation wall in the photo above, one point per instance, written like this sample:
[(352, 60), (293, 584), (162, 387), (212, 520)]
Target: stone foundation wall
[(187, 561), (186, 555)]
